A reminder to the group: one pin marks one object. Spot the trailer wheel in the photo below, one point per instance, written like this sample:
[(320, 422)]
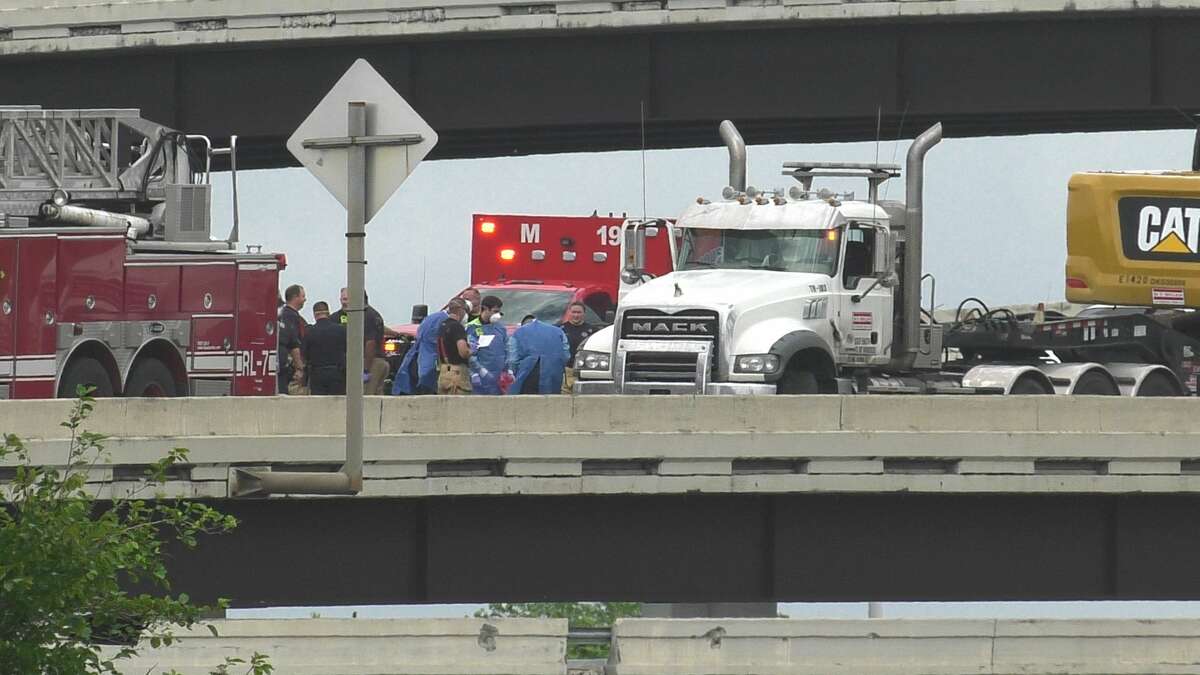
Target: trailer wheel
[(1027, 386), (88, 372), (798, 381), (1094, 383), (1159, 384), (151, 378)]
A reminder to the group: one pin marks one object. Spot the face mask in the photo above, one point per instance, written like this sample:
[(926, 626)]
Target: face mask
[(496, 318)]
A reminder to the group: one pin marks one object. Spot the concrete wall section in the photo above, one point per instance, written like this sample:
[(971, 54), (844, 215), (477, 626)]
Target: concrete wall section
[(658, 445), (885, 647), (369, 647), (320, 416)]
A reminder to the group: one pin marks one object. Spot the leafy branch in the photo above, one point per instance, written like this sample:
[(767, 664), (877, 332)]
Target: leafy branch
[(68, 560)]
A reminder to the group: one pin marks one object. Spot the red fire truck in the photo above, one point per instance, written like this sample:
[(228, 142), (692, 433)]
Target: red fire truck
[(541, 264), (108, 273)]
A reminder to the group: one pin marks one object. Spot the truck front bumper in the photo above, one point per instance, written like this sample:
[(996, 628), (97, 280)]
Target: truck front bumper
[(710, 388)]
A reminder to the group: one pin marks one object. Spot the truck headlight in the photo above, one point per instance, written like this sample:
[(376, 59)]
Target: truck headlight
[(816, 308), (756, 363), (586, 360)]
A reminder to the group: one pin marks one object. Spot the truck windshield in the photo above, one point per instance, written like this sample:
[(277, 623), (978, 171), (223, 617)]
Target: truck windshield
[(812, 251), (547, 306)]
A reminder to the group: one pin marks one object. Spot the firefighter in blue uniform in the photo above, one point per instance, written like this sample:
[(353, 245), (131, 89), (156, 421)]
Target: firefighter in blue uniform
[(418, 371), (489, 347), (538, 352)]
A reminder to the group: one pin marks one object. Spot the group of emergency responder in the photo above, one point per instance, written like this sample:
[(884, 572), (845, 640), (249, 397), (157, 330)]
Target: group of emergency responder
[(312, 358), (465, 348)]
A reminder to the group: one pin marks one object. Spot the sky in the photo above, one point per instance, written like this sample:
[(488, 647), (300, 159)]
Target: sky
[(995, 229), (995, 208)]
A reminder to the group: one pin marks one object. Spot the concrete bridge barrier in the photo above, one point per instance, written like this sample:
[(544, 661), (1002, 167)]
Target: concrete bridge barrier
[(437, 446), (368, 647), (904, 647)]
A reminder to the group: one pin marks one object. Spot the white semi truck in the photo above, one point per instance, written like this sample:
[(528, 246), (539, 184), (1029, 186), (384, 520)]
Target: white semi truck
[(800, 291)]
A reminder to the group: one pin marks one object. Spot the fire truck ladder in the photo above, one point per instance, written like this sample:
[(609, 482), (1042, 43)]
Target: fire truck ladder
[(83, 156)]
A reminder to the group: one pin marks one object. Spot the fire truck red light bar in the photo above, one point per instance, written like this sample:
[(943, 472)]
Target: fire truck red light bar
[(507, 254), (487, 227)]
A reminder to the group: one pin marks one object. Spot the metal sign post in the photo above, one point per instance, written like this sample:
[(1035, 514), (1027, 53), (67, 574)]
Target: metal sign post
[(362, 183)]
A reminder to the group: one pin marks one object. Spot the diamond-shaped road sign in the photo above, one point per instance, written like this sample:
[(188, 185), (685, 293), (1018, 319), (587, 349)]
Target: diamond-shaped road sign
[(388, 114)]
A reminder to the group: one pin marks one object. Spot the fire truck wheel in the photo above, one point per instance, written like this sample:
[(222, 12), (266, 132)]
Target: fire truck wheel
[(798, 381), (151, 378), (88, 372)]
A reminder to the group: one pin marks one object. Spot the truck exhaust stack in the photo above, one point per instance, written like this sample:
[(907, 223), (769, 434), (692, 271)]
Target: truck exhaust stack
[(910, 336), (737, 155)]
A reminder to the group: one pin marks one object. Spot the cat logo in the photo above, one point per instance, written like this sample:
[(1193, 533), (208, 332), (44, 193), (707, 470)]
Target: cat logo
[(1160, 228)]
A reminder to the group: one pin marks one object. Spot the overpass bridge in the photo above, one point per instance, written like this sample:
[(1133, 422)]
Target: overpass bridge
[(502, 77), (677, 499)]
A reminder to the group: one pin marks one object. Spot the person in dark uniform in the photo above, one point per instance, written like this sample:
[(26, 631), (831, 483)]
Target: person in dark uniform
[(375, 367), (454, 352), (325, 353), (577, 332), (289, 361)]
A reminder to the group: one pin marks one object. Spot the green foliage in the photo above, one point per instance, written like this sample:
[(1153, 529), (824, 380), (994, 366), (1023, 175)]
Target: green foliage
[(66, 560), (577, 614), (257, 665)]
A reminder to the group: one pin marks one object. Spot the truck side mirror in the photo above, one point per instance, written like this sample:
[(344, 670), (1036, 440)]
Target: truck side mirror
[(635, 247), (419, 312)]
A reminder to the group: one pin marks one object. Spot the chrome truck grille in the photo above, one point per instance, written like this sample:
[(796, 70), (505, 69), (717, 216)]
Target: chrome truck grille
[(673, 348)]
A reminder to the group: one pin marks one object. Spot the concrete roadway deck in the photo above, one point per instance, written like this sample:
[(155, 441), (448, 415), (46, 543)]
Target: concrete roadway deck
[(58, 26)]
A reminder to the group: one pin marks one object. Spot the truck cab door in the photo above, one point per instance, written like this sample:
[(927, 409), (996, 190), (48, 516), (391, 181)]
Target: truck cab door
[(864, 314)]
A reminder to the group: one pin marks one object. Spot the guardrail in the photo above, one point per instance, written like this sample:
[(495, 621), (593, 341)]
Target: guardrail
[(438, 446)]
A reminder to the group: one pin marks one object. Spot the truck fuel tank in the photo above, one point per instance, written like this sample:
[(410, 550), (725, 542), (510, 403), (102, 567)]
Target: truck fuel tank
[(1134, 239)]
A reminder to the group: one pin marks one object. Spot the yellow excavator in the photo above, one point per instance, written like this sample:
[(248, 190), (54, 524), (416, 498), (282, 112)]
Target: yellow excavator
[(1133, 239)]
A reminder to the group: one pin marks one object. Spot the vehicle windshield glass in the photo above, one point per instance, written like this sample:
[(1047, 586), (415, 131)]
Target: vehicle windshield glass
[(813, 251), (547, 306)]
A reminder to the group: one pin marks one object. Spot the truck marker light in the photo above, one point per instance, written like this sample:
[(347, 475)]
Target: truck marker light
[(568, 256), (1076, 282), (538, 255), (599, 256), (487, 227), (831, 235), (507, 254)]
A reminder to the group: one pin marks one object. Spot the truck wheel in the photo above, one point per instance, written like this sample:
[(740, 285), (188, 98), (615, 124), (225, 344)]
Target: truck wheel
[(88, 372), (798, 381), (1159, 384), (151, 378), (1095, 384), (1027, 386)]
